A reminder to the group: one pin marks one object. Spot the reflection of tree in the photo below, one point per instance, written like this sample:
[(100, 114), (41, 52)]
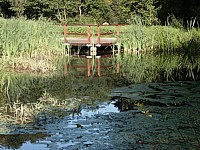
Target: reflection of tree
[(16, 141), (125, 104)]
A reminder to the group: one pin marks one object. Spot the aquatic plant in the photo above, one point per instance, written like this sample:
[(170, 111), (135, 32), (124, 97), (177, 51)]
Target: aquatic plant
[(29, 45), (21, 113), (25, 37)]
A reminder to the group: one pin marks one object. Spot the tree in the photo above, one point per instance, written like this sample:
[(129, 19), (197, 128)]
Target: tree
[(146, 9), (120, 11), (99, 10), (18, 6)]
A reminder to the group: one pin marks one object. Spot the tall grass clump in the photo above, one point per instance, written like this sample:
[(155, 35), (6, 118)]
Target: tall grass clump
[(23, 39), (140, 37), (164, 38), (135, 38), (172, 37), (25, 36)]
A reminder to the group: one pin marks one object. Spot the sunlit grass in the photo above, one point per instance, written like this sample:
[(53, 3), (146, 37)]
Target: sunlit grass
[(29, 45), (34, 46), (24, 37)]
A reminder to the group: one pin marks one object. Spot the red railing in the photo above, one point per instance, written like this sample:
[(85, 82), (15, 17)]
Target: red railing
[(88, 34)]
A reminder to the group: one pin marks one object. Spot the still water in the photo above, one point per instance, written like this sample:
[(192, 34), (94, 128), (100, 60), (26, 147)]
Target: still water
[(139, 116)]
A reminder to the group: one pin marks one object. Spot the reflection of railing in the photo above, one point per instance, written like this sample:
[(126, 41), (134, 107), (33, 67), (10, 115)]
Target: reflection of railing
[(95, 46), (85, 41), (89, 67)]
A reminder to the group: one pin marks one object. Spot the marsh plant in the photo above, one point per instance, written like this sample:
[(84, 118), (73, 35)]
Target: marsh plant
[(25, 43), (157, 53), (46, 106), (168, 38)]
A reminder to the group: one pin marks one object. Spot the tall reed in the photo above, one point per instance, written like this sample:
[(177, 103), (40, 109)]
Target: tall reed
[(25, 37)]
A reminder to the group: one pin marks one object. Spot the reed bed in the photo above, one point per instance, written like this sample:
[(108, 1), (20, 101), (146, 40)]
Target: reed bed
[(22, 40), (24, 37), (140, 37), (46, 106), (154, 51)]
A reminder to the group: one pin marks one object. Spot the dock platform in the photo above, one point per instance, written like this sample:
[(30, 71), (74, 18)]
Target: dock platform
[(93, 46)]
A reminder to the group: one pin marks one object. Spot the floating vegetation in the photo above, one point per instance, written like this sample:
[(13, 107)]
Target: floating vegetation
[(20, 113), (173, 108)]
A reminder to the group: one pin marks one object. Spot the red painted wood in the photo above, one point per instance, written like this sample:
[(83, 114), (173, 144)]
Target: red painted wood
[(88, 34), (99, 34)]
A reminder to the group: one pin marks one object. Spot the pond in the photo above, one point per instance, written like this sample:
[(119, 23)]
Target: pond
[(110, 112), (139, 116)]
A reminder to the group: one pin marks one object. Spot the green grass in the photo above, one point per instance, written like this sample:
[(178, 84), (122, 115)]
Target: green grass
[(25, 37), (140, 37), (151, 54), (35, 46)]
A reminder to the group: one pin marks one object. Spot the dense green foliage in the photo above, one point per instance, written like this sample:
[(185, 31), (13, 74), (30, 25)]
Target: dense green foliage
[(112, 11)]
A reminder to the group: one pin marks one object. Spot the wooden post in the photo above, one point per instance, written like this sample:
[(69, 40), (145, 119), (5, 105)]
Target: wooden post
[(65, 67), (99, 34), (118, 30), (65, 33), (88, 65), (118, 67), (88, 33), (99, 65)]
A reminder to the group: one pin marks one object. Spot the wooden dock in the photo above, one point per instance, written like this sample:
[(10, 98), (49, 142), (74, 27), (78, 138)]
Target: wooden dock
[(95, 44), (97, 39), (74, 41)]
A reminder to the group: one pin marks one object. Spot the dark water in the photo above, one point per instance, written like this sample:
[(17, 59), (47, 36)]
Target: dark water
[(139, 116), (113, 113), (38, 139)]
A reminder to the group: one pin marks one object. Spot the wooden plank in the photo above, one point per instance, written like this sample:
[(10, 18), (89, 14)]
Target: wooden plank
[(84, 41)]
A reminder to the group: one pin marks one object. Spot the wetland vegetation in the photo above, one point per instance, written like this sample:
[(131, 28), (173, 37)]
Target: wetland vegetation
[(35, 52), (36, 90)]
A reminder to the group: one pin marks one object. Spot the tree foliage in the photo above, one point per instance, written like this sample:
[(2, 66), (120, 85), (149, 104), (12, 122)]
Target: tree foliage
[(112, 11)]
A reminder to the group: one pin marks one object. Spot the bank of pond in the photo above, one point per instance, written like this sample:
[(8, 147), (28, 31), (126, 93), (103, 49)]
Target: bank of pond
[(39, 81)]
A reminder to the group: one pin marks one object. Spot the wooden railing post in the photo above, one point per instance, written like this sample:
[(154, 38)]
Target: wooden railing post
[(99, 34), (99, 65), (88, 33), (118, 67), (65, 33), (118, 30), (88, 65)]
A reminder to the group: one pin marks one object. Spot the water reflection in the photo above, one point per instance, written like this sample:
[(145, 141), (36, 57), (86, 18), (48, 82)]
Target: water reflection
[(163, 115), (102, 109), (178, 96), (91, 66), (15, 141)]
